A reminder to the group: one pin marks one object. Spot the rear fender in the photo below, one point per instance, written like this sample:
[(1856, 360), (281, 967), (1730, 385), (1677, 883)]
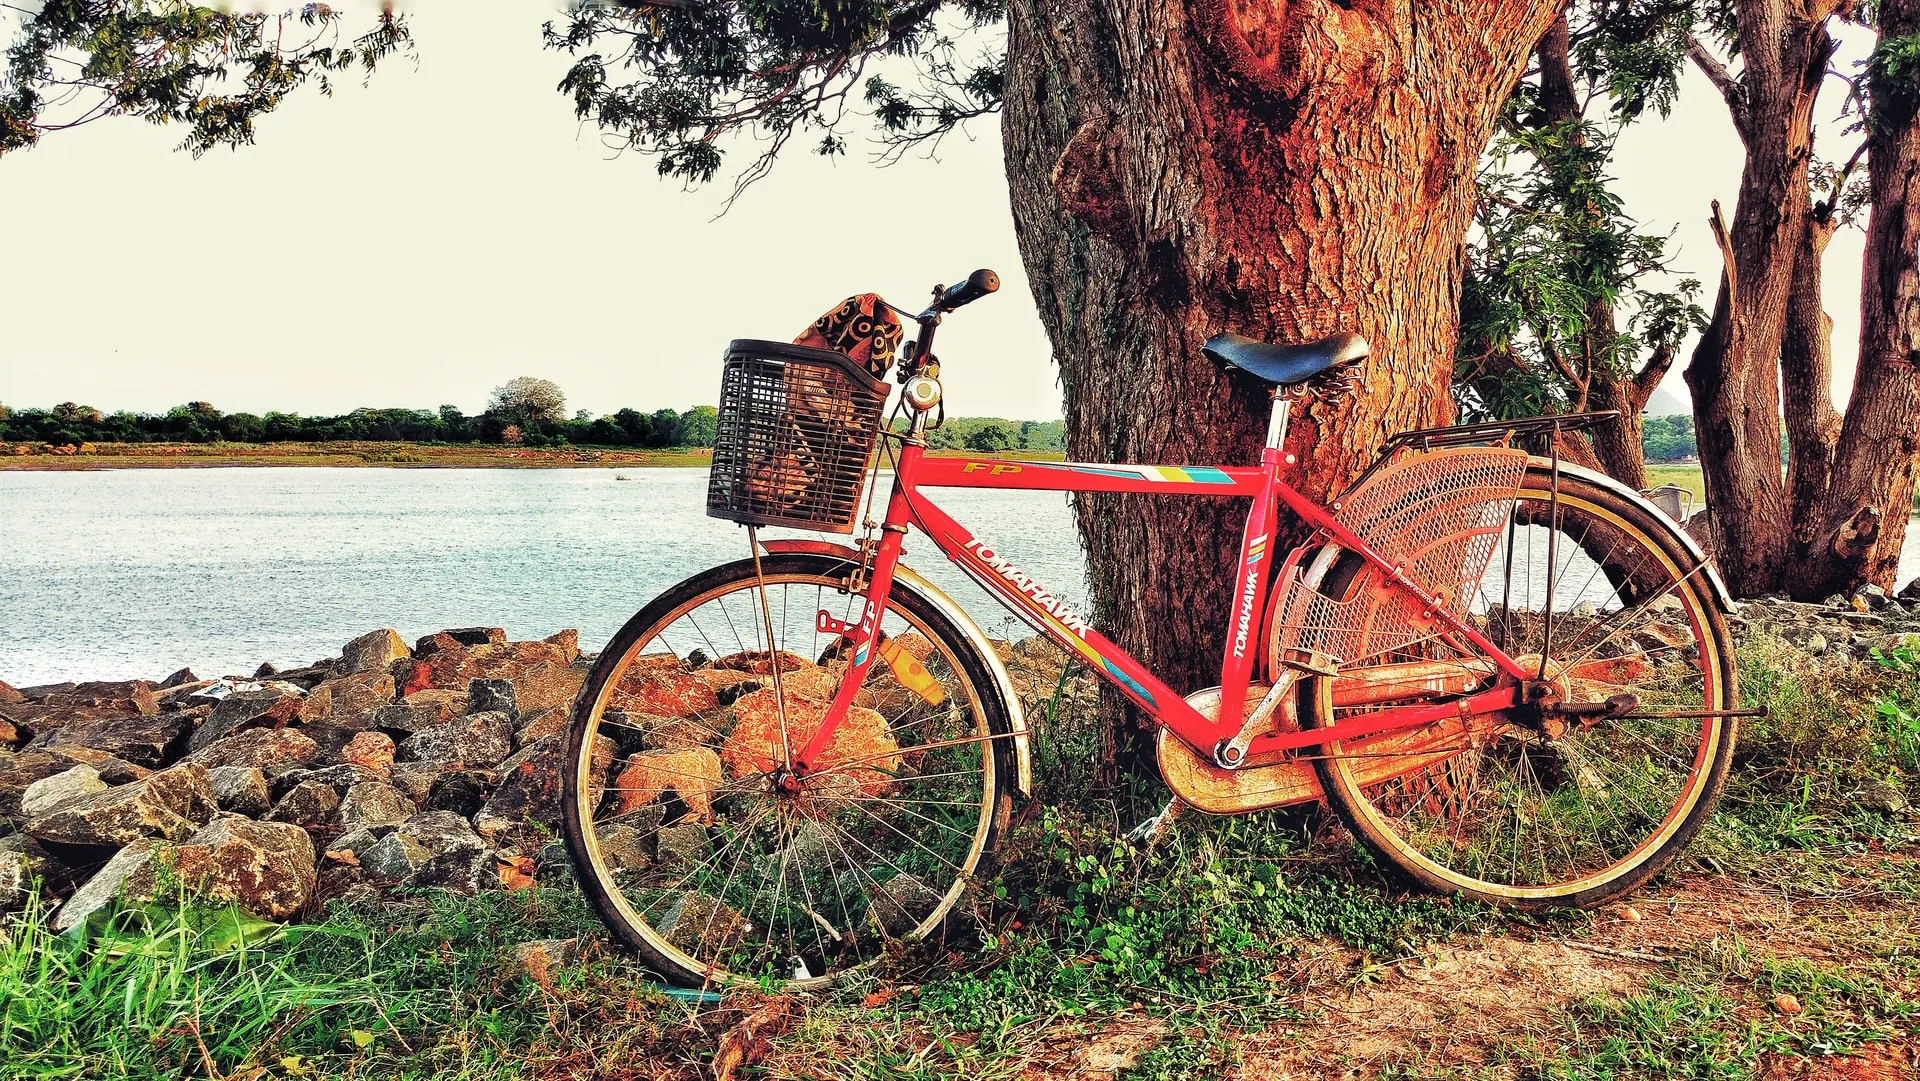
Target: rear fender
[(948, 607)]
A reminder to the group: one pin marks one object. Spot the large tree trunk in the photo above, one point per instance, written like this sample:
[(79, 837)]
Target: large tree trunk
[(1865, 515), (1282, 170), (1734, 372)]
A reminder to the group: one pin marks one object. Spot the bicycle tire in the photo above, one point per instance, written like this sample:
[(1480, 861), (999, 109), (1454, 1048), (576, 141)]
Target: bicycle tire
[(1408, 844), (600, 881)]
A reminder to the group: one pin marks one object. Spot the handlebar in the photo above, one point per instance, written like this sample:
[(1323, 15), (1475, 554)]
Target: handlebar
[(978, 284)]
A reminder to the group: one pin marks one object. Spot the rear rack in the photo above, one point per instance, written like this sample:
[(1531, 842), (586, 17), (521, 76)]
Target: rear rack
[(1531, 433)]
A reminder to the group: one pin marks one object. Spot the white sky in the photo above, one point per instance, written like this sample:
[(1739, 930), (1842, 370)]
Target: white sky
[(450, 226)]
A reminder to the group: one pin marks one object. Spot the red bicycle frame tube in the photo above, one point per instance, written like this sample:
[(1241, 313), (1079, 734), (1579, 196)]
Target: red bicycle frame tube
[(908, 506)]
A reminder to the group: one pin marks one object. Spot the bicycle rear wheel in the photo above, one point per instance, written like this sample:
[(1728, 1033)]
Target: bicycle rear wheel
[(696, 846), (1543, 807)]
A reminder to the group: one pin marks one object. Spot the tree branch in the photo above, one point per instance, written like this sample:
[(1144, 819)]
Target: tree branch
[(1731, 89)]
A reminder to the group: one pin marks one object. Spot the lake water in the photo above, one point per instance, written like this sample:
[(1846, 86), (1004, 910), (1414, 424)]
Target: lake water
[(133, 573), (120, 574)]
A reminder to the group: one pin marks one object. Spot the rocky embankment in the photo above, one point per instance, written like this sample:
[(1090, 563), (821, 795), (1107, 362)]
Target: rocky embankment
[(436, 765)]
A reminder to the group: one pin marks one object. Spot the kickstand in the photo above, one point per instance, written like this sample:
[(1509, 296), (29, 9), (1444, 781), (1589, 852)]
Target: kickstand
[(1150, 833)]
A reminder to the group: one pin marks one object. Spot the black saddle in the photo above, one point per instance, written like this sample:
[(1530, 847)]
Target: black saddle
[(1286, 365)]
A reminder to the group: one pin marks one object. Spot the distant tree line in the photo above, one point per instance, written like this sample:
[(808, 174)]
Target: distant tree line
[(199, 422)]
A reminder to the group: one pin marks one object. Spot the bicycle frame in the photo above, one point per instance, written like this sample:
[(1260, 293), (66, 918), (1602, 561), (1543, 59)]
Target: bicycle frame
[(908, 505)]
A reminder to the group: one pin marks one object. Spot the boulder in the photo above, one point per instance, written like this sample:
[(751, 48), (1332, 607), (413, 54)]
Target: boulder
[(1875, 596), (240, 790), (467, 636), (691, 774), (535, 727), (902, 903), (1908, 592), (355, 841), (22, 863), (701, 925), (339, 778), (1882, 798), (171, 804), (454, 698), (433, 848), (375, 806), (623, 847), (309, 803), (12, 735), (374, 651), (47, 793), (682, 846), (547, 685), (128, 696), (529, 790), (348, 700), (270, 749), (8, 694), (492, 696), (179, 679), (409, 716), (266, 868), (462, 791), (415, 779), (104, 887), (112, 770), (568, 642), (18, 771), (479, 740), (270, 707), (148, 739), (370, 751)]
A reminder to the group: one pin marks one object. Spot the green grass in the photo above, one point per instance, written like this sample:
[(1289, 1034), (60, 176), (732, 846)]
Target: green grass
[(1268, 924)]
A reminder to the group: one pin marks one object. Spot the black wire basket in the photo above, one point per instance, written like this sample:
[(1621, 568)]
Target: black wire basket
[(797, 431)]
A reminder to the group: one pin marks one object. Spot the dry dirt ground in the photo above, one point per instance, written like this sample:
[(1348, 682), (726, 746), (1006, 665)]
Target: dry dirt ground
[(1777, 977)]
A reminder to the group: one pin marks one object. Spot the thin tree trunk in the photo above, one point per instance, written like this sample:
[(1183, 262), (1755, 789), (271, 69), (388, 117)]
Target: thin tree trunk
[(1282, 170), (1734, 372), (1871, 494), (1806, 381)]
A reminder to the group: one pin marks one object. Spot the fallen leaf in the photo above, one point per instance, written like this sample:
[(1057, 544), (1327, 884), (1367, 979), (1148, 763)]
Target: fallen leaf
[(879, 998), (1786, 1004), (516, 873), (1631, 914), (361, 1038)]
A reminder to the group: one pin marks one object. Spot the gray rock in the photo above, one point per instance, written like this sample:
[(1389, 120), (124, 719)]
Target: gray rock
[(1910, 591), (541, 724), (104, 887), (266, 868), (624, 848), (266, 708), (374, 651), (1887, 643), (1883, 798), (260, 748), (477, 740), (356, 841), (1834, 600), (47, 793), (1875, 596), (171, 804), (22, 863), (394, 859), (415, 779), (682, 846), (701, 925), (340, 778), (462, 791), (241, 790), (458, 858), (375, 806), (902, 903), (309, 803), (492, 696), (143, 739), (412, 716), (538, 959)]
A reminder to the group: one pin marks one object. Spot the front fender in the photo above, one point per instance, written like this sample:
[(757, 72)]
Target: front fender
[(948, 607)]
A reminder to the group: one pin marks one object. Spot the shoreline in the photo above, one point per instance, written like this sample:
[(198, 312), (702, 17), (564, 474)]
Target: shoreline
[(364, 455)]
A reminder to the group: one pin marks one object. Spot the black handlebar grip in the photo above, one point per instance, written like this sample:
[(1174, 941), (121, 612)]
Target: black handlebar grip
[(977, 285)]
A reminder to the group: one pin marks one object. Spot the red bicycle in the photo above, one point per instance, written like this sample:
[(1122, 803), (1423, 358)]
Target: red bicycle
[(1511, 678)]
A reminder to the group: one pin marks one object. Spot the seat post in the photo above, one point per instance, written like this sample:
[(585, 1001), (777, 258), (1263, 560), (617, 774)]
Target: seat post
[(1277, 421)]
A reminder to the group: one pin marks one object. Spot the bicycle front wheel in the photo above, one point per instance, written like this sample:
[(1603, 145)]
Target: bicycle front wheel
[(699, 847), (1554, 804)]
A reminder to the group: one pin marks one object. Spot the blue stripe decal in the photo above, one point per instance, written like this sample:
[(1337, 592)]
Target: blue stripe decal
[(860, 657), (1126, 680), (1207, 474)]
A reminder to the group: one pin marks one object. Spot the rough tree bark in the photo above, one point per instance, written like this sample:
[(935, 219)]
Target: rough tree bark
[(1806, 383), (1734, 370), (1864, 519), (1285, 170)]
